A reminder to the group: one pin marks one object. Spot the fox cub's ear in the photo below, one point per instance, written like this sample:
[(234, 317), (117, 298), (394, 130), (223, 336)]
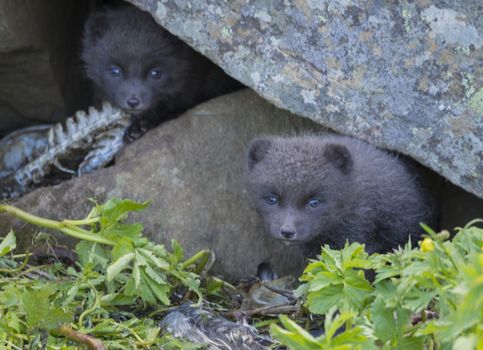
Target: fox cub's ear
[(96, 25), (257, 151), (340, 156)]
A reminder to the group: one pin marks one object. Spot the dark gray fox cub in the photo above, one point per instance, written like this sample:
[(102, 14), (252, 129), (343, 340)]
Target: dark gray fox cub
[(313, 190), (143, 69)]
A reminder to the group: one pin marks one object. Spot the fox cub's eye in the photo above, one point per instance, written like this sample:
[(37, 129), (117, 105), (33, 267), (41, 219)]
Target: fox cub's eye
[(271, 199), (115, 71), (155, 73), (314, 202)]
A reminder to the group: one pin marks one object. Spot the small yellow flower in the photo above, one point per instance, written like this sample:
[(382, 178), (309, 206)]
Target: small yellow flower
[(427, 245)]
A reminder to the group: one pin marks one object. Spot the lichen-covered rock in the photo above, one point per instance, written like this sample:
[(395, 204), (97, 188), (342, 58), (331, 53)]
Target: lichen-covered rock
[(191, 171), (406, 76)]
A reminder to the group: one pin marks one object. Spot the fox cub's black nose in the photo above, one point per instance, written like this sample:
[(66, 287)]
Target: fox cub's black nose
[(133, 102), (287, 234)]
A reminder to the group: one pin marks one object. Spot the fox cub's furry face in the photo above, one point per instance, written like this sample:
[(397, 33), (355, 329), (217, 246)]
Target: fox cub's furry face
[(329, 189), (298, 188), (134, 63)]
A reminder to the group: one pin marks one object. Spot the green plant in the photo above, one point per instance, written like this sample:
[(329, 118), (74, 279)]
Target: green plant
[(422, 298), (117, 267)]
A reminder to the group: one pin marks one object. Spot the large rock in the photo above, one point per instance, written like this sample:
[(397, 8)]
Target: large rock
[(40, 76), (403, 75), (191, 170)]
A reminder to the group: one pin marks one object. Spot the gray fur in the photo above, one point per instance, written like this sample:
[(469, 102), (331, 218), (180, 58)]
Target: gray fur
[(129, 39), (366, 195)]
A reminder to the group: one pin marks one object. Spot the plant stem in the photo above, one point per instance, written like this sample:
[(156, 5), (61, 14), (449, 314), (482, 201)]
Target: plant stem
[(31, 219), (68, 229), (18, 256), (202, 256), (88, 221), (24, 263), (87, 340)]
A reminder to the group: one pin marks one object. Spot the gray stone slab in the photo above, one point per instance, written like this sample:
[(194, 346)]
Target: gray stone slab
[(405, 76)]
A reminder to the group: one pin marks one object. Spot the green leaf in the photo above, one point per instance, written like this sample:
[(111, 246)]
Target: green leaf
[(71, 294), (145, 291), (39, 310), (177, 250), (321, 301), (353, 255), (418, 300), (115, 209), (467, 342), (89, 252), (119, 230), (357, 289), (149, 256), (410, 343), (294, 336), (383, 320), (36, 305), (120, 264), (155, 276), (123, 246), (57, 317), (8, 244), (160, 291), (118, 299), (323, 280), (130, 289), (136, 274)]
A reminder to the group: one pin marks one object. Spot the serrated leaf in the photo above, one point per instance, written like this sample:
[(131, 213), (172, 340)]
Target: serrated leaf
[(119, 230), (8, 244), (432, 327), (312, 269), (39, 310), (130, 289), (115, 209), (323, 280), (213, 286), (158, 249), (155, 276), (118, 299), (56, 317), (140, 259), (383, 320), (71, 294), (122, 247), (159, 290), (177, 250), (333, 322), (356, 297), (89, 252), (321, 301), (145, 291), (332, 259), (301, 291), (350, 252), (409, 343), (418, 300), (294, 336), (190, 280), (36, 306), (120, 264), (136, 275), (159, 263)]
